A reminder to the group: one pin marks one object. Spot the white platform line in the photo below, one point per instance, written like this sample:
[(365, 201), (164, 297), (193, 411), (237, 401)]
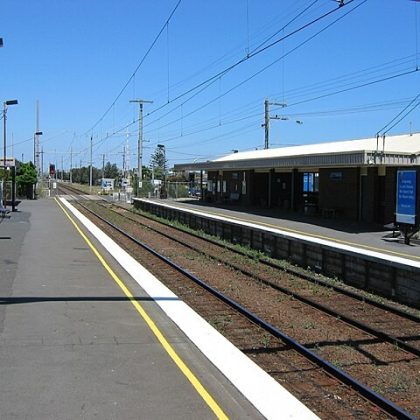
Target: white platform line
[(320, 241), (267, 395)]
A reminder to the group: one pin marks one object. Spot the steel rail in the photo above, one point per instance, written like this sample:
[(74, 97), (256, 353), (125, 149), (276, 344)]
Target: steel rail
[(290, 270), (368, 393), (347, 319)]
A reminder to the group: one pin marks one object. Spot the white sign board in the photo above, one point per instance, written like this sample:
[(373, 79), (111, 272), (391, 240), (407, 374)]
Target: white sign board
[(10, 162)]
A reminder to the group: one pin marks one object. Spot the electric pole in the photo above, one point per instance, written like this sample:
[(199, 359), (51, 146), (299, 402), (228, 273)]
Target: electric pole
[(103, 167), (91, 163), (42, 161), (36, 149), (71, 165), (140, 141), (267, 119)]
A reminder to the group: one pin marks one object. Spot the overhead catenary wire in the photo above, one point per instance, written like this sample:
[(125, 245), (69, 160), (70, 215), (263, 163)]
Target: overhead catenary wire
[(223, 72), (221, 59), (330, 83), (359, 86), (384, 79), (137, 68), (317, 97), (399, 117), (265, 67), (214, 78), (204, 85)]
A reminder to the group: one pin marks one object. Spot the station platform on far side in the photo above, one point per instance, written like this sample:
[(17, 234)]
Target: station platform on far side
[(74, 342), (358, 235)]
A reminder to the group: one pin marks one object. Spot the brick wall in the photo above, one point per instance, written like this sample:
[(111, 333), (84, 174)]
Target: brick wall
[(339, 190)]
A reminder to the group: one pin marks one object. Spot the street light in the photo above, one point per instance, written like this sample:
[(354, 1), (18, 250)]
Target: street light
[(5, 105), (36, 159), (36, 153)]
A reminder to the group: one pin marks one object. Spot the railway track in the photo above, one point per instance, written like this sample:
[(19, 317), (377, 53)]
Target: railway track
[(396, 317), (267, 346)]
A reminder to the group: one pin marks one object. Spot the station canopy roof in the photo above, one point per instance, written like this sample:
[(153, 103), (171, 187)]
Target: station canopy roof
[(401, 150)]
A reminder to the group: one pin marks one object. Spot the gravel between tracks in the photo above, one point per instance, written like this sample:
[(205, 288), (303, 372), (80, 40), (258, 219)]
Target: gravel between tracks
[(383, 367)]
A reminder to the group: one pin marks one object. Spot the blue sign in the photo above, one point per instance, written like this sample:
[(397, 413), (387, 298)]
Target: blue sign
[(406, 197)]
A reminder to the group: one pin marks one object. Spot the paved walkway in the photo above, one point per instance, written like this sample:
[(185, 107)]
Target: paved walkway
[(71, 344), (365, 236)]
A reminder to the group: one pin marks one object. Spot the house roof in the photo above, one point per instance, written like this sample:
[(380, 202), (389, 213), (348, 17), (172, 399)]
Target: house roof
[(394, 150)]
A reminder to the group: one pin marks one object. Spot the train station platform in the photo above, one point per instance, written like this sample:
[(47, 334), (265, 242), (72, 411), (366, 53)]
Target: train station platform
[(364, 236), (73, 343), (362, 256)]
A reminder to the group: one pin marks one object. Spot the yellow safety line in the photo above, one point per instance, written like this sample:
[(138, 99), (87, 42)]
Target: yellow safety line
[(314, 235), (151, 324)]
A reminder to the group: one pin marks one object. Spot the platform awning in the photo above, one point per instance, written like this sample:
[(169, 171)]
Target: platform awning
[(396, 150)]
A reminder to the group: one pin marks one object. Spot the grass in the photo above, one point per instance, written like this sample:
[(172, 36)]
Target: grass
[(308, 325), (221, 322), (338, 364), (254, 255), (266, 341)]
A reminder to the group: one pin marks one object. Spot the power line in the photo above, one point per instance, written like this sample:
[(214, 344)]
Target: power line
[(264, 68), (223, 72), (205, 84), (386, 128), (254, 75), (308, 89), (348, 77), (356, 87), (137, 68)]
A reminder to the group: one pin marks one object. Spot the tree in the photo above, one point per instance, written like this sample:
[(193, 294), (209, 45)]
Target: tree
[(111, 171), (146, 172), (158, 162), (82, 175), (26, 177)]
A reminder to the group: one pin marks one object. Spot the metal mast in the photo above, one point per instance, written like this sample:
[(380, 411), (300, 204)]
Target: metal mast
[(36, 157), (267, 119), (140, 141)]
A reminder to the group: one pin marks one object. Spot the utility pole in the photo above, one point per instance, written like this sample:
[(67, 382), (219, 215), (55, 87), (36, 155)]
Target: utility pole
[(56, 164), (124, 154), (103, 168), (42, 161), (71, 165), (267, 119), (90, 169), (38, 133), (62, 168), (140, 141)]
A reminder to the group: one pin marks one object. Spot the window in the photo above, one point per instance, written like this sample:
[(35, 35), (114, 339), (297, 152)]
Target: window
[(310, 182)]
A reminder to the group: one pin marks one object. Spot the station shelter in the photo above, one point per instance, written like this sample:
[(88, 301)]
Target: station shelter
[(352, 180)]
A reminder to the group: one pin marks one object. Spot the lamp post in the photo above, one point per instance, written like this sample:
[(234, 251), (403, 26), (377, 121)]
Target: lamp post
[(5, 105), (36, 158), (36, 151)]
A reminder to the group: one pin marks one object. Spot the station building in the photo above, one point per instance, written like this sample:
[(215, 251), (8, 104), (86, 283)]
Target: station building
[(352, 180)]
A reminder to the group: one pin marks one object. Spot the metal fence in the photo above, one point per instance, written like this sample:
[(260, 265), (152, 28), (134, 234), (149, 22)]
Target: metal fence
[(172, 190)]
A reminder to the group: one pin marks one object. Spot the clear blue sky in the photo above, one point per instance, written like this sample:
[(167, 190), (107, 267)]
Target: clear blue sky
[(76, 56)]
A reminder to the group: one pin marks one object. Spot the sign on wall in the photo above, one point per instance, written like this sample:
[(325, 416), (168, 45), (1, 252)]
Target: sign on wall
[(406, 197)]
